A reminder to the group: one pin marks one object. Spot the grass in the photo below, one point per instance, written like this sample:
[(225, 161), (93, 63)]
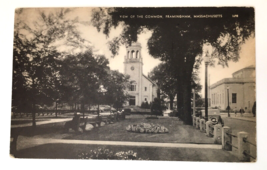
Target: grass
[(178, 132), (38, 130), (71, 151)]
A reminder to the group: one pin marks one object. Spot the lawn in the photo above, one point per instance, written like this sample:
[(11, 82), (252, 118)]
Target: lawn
[(71, 151), (178, 132)]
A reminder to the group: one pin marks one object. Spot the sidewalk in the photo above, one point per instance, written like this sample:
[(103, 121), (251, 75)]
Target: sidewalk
[(245, 117), (41, 122), (28, 142)]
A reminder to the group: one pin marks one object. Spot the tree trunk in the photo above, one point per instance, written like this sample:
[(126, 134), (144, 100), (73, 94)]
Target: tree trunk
[(187, 90), (180, 98), (82, 108), (98, 111), (33, 115), (171, 102), (158, 93), (56, 108), (187, 102)]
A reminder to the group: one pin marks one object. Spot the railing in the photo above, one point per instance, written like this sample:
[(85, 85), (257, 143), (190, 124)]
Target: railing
[(224, 136), (48, 112), (243, 144)]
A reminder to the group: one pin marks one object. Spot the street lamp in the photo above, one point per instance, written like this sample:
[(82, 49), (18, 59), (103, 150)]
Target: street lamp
[(228, 107), (206, 60)]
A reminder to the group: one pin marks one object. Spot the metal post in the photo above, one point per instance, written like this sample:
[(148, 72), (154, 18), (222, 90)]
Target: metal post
[(206, 91)]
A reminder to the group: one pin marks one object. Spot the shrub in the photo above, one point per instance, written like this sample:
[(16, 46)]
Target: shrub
[(101, 153), (143, 105)]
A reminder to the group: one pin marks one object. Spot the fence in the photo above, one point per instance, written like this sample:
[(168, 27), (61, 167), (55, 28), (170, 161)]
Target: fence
[(224, 136), (41, 113)]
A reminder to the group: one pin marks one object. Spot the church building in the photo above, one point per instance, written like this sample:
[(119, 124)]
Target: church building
[(142, 89)]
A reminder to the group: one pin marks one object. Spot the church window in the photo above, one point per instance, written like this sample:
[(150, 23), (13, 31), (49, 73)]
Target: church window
[(145, 88), (233, 97), (133, 87)]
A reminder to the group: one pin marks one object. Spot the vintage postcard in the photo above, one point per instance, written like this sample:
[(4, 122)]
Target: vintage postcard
[(134, 83)]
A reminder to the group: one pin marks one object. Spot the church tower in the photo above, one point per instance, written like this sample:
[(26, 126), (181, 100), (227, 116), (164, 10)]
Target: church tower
[(133, 66)]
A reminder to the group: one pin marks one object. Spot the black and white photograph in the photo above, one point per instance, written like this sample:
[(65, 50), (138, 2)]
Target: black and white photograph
[(134, 83)]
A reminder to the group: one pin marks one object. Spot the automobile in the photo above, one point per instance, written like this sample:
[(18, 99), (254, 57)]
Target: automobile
[(107, 114)]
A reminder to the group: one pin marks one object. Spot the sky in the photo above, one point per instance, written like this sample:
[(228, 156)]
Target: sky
[(216, 73), (99, 42)]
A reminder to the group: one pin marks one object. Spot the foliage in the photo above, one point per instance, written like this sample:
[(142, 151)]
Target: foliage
[(200, 102), (180, 44), (161, 74), (101, 153), (156, 107), (43, 73), (145, 105), (115, 86), (81, 75)]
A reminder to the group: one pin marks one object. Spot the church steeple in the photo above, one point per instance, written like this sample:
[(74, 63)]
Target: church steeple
[(133, 53), (133, 66)]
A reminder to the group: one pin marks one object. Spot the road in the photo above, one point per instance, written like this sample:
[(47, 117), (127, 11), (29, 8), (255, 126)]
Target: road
[(238, 125)]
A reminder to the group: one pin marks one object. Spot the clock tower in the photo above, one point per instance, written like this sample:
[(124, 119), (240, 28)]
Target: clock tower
[(133, 66)]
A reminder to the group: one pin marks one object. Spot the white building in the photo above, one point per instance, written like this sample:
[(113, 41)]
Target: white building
[(241, 90), (142, 89)]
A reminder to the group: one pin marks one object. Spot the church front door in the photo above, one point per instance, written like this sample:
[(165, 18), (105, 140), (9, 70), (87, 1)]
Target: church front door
[(132, 101)]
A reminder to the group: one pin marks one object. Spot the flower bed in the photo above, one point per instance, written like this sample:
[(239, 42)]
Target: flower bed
[(147, 128), (101, 153)]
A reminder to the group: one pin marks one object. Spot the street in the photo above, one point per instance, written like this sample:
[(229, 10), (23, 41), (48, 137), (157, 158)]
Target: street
[(238, 125)]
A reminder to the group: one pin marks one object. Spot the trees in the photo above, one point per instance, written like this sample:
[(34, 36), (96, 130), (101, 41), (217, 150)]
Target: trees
[(35, 71), (161, 74), (81, 75), (180, 41), (115, 86), (36, 58)]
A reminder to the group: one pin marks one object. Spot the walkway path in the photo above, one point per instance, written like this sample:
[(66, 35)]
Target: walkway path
[(42, 122), (28, 142)]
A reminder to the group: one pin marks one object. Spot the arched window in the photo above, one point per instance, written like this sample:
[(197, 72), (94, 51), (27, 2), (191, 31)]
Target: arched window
[(128, 54), (137, 54), (133, 86), (132, 54)]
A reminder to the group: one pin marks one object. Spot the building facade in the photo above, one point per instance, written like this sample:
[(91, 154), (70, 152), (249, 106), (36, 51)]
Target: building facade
[(240, 90), (142, 89)]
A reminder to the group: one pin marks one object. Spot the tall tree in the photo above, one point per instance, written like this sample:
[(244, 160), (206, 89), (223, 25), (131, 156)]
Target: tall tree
[(81, 75), (36, 56), (116, 86), (180, 41), (162, 76)]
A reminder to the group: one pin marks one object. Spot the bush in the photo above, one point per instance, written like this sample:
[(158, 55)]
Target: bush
[(156, 107), (101, 153), (145, 105)]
